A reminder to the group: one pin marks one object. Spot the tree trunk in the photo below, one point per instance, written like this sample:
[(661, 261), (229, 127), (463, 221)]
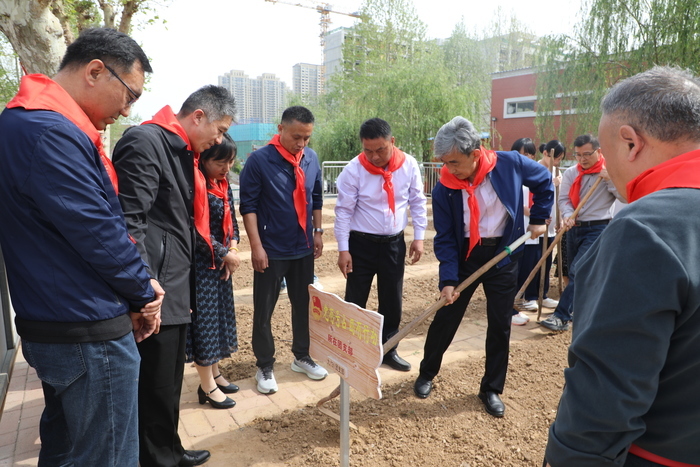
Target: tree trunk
[(35, 33)]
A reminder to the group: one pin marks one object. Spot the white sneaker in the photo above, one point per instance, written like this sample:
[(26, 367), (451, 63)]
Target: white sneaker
[(308, 366), (520, 319), (317, 283), (266, 380), (550, 303), (528, 305)]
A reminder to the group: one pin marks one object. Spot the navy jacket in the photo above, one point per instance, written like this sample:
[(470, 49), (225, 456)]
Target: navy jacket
[(634, 359), (267, 183), (511, 172), (72, 270)]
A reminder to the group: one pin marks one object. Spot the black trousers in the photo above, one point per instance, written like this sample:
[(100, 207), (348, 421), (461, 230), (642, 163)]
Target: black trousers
[(299, 273), (160, 385), (500, 288), (387, 262)]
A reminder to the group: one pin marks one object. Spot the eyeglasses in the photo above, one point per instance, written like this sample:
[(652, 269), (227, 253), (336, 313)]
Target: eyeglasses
[(131, 91), (585, 154)]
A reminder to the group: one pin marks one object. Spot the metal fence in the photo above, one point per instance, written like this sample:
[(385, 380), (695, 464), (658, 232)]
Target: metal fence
[(430, 172)]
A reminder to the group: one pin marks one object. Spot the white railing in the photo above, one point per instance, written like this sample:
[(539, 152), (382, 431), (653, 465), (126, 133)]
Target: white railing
[(430, 171)]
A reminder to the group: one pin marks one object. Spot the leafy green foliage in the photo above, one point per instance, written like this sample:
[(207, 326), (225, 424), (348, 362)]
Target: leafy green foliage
[(393, 72), (9, 72), (615, 39)]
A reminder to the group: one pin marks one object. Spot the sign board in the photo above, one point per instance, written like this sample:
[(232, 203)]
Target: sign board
[(346, 339)]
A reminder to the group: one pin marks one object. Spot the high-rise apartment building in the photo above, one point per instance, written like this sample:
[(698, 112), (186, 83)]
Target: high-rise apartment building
[(307, 80), (333, 52), (259, 100)]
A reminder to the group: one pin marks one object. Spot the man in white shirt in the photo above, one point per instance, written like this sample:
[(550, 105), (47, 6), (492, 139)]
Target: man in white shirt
[(375, 191)]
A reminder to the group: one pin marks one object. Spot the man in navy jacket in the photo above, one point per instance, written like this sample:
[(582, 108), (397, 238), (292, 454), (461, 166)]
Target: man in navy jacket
[(477, 211), (77, 282), (281, 200)]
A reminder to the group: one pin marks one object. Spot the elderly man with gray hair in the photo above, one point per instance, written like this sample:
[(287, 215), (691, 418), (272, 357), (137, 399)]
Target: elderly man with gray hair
[(477, 212), (631, 390)]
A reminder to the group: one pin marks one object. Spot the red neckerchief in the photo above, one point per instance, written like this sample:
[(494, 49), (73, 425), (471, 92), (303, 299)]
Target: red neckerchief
[(300, 190), (166, 118), (219, 188), (486, 163), (575, 190), (395, 163), (677, 172), (39, 92)]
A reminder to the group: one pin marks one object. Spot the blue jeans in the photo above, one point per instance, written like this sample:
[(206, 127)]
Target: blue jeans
[(578, 241), (90, 391)]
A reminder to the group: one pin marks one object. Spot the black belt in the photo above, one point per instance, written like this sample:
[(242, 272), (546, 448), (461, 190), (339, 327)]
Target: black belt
[(489, 241), (591, 223), (377, 238)]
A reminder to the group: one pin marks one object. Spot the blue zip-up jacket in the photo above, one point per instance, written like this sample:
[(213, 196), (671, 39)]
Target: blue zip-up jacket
[(511, 172), (267, 184), (73, 273)]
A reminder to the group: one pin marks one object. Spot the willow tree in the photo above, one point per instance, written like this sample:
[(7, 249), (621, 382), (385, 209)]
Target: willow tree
[(615, 39), (393, 72)]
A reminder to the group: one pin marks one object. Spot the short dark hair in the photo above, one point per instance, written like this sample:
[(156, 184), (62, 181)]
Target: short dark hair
[(543, 147), (114, 48), (215, 101), (585, 139), (663, 102), (226, 151), (557, 146), (375, 128), (298, 113), (525, 144)]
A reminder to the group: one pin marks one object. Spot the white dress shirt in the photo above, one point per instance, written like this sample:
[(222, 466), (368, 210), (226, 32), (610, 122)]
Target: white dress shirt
[(492, 213), (363, 205)]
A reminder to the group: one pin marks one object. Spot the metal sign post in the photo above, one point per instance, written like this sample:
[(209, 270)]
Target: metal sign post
[(347, 339)]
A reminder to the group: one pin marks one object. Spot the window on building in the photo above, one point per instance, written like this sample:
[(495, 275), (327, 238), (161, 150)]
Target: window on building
[(519, 107)]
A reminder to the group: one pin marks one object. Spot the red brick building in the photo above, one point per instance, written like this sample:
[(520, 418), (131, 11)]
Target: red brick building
[(513, 102)]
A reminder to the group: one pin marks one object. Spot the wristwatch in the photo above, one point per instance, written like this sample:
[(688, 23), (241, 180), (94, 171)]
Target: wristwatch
[(318, 230)]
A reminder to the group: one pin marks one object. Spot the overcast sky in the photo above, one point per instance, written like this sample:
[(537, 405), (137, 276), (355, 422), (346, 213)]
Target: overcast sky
[(203, 39)]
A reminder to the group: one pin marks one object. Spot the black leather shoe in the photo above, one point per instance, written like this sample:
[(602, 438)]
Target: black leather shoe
[(204, 398), (393, 360), (194, 458), (423, 387), (230, 389), (493, 404)]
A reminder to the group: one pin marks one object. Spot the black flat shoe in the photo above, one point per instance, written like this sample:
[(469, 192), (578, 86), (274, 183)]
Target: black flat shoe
[(393, 360), (204, 398), (493, 404), (194, 458), (230, 389), (422, 387)]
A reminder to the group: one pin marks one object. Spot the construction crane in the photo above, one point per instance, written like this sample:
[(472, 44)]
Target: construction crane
[(325, 9)]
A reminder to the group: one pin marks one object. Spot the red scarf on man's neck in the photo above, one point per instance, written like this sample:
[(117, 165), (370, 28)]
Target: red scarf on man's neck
[(395, 163), (219, 188), (166, 118), (39, 92), (299, 194), (486, 163), (679, 172), (575, 190)]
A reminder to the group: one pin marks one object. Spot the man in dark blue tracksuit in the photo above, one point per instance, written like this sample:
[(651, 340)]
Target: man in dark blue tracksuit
[(281, 200)]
